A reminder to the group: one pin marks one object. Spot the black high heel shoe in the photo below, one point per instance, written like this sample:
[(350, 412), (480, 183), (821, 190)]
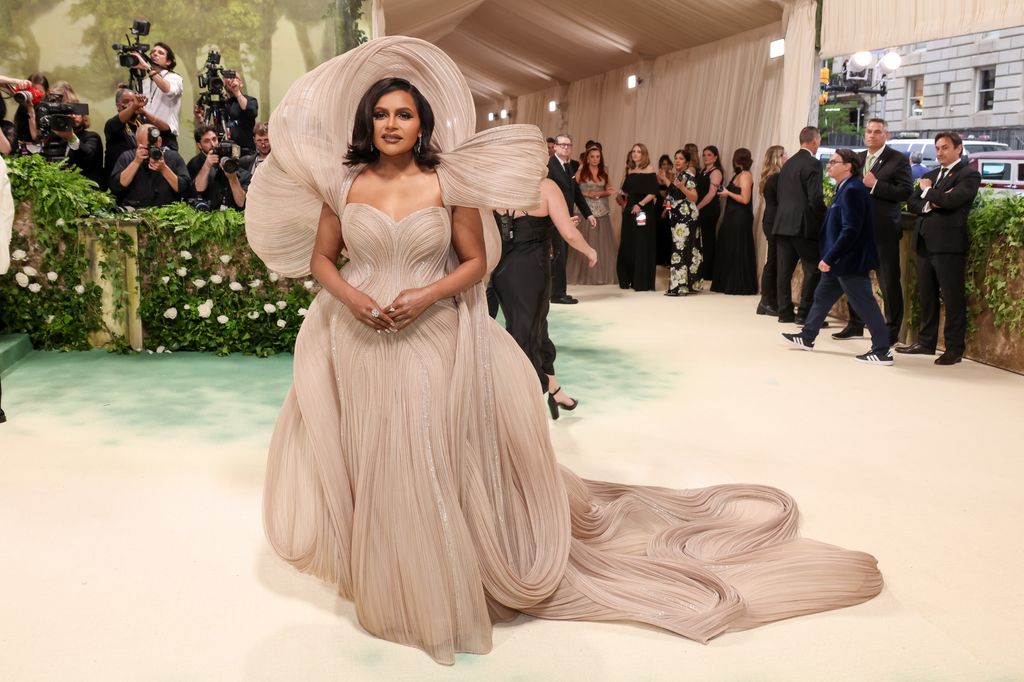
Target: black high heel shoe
[(553, 404)]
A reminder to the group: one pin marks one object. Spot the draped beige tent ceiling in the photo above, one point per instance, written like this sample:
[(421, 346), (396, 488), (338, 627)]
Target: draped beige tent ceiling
[(513, 47)]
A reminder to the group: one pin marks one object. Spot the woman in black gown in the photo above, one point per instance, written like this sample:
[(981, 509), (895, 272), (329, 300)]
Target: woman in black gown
[(522, 282), (735, 267), (636, 260), (774, 157), (708, 182), (663, 233)]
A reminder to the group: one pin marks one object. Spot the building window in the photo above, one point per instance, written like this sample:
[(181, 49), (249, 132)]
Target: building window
[(986, 88), (915, 97)]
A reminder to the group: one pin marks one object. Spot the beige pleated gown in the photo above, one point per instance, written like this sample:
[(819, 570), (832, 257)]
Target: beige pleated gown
[(415, 471)]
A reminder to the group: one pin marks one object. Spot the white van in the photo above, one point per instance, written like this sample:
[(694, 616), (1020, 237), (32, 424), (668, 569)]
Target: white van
[(926, 148)]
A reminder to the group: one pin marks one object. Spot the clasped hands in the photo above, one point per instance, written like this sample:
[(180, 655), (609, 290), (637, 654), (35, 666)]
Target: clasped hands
[(393, 318)]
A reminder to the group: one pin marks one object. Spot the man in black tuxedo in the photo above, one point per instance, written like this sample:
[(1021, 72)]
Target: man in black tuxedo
[(562, 169), (797, 223), (943, 200), (887, 176)]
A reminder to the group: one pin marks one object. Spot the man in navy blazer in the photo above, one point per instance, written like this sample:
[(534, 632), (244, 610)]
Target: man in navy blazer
[(849, 253)]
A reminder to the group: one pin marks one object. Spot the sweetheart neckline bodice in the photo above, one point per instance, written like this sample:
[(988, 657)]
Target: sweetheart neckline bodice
[(388, 215)]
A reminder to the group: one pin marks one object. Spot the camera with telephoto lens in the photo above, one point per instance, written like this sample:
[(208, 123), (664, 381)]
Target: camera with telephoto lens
[(229, 154), (155, 153), (214, 98), (126, 51)]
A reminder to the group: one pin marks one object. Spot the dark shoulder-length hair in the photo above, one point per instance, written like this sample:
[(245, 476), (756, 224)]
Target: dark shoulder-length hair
[(171, 59), (742, 160), (362, 150), (718, 157)]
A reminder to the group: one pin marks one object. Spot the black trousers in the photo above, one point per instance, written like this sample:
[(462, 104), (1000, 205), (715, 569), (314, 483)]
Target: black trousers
[(858, 289), (942, 273), (889, 276), (522, 284), (559, 251), (770, 275), (789, 252)]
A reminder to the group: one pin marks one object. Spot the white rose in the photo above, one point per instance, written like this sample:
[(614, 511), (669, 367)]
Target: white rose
[(165, 279), (18, 254), (60, 221), (225, 259), (170, 314), (223, 319), (188, 307), (281, 305), (302, 312), (80, 289), (281, 324), (269, 308), (274, 277), (52, 276), (256, 283), (21, 278), (308, 284), (253, 315), (30, 271), (159, 349), (235, 286), (216, 279), (34, 287), (181, 272), (205, 309), (185, 255), (49, 319), (200, 283)]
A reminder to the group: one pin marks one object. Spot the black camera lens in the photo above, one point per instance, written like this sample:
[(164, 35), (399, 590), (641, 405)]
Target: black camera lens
[(229, 165), (156, 154)]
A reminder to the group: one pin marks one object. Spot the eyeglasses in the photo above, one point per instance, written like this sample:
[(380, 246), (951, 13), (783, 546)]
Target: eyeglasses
[(833, 162), (563, 144)]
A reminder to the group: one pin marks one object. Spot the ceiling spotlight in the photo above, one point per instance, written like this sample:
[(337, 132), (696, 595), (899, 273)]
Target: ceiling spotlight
[(861, 60), (504, 114), (552, 105), (631, 81), (490, 116), (777, 48), (890, 62)]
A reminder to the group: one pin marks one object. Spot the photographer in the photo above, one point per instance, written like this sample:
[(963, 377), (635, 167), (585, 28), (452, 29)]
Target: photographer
[(240, 112), (149, 175), (119, 131), (163, 89), (80, 146), (261, 138), (217, 185), (25, 117), (8, 136)]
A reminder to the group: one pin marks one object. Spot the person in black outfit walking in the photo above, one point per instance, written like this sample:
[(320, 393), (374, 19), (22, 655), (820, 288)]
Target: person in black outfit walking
[(797, 224), (562, 170), (522, 282), (943, 200)]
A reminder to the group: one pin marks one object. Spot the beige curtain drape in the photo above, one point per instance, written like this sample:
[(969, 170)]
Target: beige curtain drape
[(799, 105), (847, 27)]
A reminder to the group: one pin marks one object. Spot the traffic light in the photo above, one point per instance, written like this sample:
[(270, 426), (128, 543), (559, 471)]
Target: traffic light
[(825, 76), (823, 99)]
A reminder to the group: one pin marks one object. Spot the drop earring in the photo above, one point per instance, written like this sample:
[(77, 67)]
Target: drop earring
[(419, 145)]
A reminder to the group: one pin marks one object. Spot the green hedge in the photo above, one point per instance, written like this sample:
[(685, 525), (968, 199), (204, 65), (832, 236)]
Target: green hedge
[(203, 289)]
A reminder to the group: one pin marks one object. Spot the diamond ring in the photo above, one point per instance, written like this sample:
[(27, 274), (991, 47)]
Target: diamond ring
[(391, 309), (375, 313)]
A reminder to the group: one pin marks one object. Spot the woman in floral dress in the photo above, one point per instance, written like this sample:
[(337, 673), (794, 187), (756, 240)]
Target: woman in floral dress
[(685, 259)]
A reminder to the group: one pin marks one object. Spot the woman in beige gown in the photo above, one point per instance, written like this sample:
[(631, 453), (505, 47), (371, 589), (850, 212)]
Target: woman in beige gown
[(414, 470)]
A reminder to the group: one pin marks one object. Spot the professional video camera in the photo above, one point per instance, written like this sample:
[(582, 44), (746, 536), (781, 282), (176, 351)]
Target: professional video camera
[(53, 115), (126, 53), (213, 99)]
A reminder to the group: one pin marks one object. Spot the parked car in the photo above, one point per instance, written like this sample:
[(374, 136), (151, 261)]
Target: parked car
[(926, 147), (1002, 172)]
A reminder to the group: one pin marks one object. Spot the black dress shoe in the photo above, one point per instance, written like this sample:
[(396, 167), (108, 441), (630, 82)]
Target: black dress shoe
[(565, 300), (763, 309), (801, 320), (949, 358), (915, 349), (786, 319), (848, 332)]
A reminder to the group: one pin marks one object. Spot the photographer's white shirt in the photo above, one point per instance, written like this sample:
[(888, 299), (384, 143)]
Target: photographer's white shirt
[(165, 105)]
